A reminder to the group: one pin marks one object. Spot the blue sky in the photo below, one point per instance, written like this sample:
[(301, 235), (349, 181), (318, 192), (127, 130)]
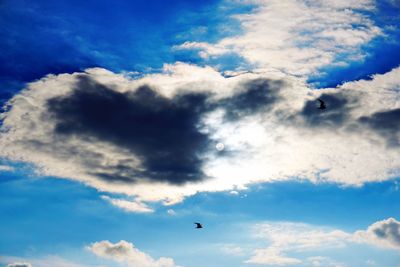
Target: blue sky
[(130, 36), (125, 122)]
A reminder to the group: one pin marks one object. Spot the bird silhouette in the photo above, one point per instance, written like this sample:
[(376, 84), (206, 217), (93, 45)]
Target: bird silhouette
[(321, 104), (198, 225)]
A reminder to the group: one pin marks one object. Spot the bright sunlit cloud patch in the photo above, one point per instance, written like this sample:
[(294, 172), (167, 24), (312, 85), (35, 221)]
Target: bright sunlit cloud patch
[(297, 37)]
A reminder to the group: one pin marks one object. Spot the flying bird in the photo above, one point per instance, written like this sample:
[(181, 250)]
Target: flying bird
[(321, 104), (198, 225)]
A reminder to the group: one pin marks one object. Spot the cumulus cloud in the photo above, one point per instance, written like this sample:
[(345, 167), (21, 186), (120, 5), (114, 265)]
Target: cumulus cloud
[(125, 253), (384, 233), (154, 138), (129, 206), (286, 239), (297, 36)]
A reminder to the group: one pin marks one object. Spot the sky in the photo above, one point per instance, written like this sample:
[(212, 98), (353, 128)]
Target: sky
[(123, 123)]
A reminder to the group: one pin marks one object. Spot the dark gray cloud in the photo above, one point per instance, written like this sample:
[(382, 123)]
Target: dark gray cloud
[(335, 114), (162, 132), (388, 230), (386, 123), (256, 95)]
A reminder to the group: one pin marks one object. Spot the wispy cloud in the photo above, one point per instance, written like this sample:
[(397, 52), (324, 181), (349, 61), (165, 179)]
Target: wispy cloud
[(232, 249), (296, 36), (129, 205), (286, 239), (294, 237), (49, 261)]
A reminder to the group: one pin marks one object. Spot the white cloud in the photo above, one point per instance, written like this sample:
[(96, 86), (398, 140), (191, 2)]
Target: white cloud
[(129, 206), (6, 168), (19, 264), (294, 237), (286, 239), (297, 36), (125, 253), (49, 261), (280, 143), (271, 256), (319, 261)]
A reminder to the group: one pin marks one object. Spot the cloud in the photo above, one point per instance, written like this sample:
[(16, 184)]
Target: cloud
[(257, 95), (286, 239), (171, 212), (297, 36), (232, 249), (385, 233), (154, 138), (386, 123), (319, 261), (129, 206), (271, 257), (6, 168), (19, 264), (336, 114), (124, 252), (133, 121), (48, 261)]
